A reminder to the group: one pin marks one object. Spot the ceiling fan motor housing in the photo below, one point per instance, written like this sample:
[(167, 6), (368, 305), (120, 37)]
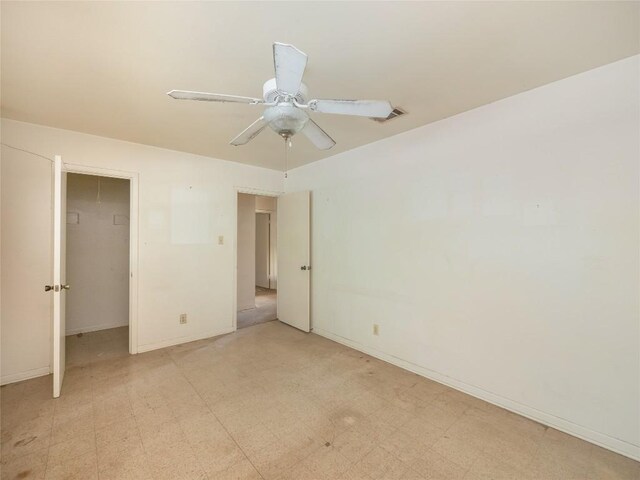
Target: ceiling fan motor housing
[(270, 92)]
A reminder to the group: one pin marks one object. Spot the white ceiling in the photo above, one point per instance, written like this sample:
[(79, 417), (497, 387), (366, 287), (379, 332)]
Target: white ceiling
[(104, 67)]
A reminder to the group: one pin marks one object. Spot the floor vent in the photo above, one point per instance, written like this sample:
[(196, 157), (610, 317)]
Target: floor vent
[(397, 112)]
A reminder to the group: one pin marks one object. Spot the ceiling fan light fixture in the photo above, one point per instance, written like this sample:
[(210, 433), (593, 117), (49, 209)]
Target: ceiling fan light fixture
[(286, 119)]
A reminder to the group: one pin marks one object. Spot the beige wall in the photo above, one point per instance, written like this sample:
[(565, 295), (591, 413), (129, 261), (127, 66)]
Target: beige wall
[(246, 251), (265, 203), (262, 249), (269, 204), (97, 253), (497, 251)]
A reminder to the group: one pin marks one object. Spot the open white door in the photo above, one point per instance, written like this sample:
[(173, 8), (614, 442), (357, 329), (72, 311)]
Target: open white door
[(59, 272), (293, 259)]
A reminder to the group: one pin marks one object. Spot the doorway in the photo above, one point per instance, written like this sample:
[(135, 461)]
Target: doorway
[(257, 260), (97, 268)]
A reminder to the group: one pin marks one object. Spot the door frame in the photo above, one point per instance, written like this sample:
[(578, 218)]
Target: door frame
[(59, 278), (133, 239), (234, 285)]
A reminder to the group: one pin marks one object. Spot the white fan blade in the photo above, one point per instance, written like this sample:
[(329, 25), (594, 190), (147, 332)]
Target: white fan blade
[(289, 64), (317, 136), (211, 97), (250, 132), (363, 108)]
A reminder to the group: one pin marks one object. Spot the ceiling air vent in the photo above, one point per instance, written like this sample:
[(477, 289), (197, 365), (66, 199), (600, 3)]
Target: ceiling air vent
[(397, 112)]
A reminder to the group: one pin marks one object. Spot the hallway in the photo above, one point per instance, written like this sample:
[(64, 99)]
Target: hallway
[(265, 311)]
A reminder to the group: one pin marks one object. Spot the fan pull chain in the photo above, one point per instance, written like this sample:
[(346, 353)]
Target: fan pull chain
[(287, 146)]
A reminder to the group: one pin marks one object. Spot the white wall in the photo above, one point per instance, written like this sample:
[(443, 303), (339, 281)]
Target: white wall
[(26, 265), (97, 253), (246, 251), (185, 202), (498, 252)]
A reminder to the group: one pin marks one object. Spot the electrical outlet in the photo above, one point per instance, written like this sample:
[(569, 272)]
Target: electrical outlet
[(183, 318), (376, 329), (220, 239)]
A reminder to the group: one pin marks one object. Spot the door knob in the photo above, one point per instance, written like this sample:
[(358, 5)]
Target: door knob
[(305, 267), (48, 287), (65, 287)]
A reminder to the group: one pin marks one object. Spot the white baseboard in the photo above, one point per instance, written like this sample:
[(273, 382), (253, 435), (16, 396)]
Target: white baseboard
[(177, 341), (19, 377), (94, 328), (566, 426)]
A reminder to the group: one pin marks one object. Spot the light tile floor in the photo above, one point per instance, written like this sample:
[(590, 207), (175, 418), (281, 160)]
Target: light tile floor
[(97, 346), (271, 402)]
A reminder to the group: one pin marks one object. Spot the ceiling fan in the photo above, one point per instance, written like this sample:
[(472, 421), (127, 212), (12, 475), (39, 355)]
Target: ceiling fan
[(285, 97)]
